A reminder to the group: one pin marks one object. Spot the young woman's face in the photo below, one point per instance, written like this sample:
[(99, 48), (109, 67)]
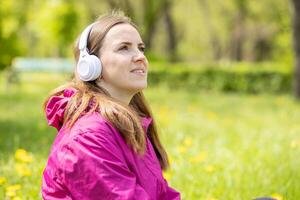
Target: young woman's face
[(124, 63)]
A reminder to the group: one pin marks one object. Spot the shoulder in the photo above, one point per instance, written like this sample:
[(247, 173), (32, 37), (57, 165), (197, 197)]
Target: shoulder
[(93, 123), (89, 131), (91, 139)]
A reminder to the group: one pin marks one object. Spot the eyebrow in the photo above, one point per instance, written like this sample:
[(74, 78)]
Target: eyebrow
[(129, 43)]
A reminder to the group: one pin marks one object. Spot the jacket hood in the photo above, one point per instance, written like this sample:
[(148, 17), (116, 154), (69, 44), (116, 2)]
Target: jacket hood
[(56, 106)]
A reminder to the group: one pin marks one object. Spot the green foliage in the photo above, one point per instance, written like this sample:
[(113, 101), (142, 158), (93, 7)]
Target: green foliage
[(12, 21), (207, 32), (243, 77), (66, 26)]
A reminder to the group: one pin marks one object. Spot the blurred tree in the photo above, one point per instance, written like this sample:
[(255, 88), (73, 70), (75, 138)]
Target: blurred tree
[(53, 28), (244, 30), (124, 5), (171, 32), (64, 26), (237, 39), (13, 19), (267, 22), (233, 29), (296, 43), (152, 12), (214, 40)]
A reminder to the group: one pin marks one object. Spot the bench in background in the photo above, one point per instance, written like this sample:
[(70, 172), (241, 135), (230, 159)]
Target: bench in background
[(24, 64)]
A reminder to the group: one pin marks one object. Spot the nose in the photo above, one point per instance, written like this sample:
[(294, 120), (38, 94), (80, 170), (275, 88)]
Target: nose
[(139, 56)]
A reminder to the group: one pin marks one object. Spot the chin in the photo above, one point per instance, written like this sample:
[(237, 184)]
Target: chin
[(138, 87)]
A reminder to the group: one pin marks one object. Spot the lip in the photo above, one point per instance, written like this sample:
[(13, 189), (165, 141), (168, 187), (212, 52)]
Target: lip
[(139, 68)]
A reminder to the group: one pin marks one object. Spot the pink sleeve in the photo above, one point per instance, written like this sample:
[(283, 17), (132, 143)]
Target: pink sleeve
[(93, 167), (171, 194)]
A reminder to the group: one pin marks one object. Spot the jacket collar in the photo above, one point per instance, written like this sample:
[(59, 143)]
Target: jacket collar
[(146, 121)]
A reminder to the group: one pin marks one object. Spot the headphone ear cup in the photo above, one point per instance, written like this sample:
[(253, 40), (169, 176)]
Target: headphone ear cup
[(89, 68)]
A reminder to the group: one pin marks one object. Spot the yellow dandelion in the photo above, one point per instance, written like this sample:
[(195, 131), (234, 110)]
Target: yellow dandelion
[(209, 168), (167, 175), (187, 141), (23, 156), (295, 143), (211, 115), (2, 180), (14, 187), (227, 122), (277, 196), (191, 109), (163, 112), (181, 149), (211, 198), (23, 170), (11, 190), (10, 193), (16, 198), (199, 158), (171, 159)]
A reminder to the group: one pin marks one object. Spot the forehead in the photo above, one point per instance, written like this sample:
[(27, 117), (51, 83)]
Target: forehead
[(121, 33)]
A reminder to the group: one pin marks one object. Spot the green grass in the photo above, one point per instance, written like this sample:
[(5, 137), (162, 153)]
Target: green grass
[(222, 146)]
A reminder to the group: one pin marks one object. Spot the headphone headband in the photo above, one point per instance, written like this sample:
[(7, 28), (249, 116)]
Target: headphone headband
[(84, 37)]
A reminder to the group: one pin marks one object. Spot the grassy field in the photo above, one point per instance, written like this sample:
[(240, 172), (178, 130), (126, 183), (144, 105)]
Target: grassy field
[(221, 146)]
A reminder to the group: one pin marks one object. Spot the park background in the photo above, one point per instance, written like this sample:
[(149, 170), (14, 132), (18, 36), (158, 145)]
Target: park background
[(223, 86)]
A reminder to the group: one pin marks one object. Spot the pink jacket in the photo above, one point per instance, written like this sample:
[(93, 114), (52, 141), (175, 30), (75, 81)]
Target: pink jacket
[(92, 161)]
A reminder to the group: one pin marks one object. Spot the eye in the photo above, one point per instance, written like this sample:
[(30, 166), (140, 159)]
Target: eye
[(142, 49), (124, 47)]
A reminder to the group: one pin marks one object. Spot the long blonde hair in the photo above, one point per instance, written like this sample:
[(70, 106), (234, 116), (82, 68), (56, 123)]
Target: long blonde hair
[(90, 97)]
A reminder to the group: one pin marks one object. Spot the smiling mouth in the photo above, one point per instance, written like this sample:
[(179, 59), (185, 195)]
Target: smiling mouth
[(139, 71)]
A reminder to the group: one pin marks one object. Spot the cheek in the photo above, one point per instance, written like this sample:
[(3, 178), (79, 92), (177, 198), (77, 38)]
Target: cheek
[(115, 68), (113, 60)]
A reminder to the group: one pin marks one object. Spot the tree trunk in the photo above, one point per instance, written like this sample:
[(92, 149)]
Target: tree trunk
[(152, 12), (171, 33), (213, 36), (237, 38), (296, 45), (124, 5), (238, 34)]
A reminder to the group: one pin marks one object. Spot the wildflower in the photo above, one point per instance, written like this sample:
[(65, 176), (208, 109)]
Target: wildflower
[(171, 159), (211, 115), (2, 180), (17, 198), (11, 190), (187, 141), (199, 158), (10, 193), (277, 196), (167, 175), (191, 109), (295, 143), (211, 198), (209, 168), (181, 149), (23, 170), (23, 156)]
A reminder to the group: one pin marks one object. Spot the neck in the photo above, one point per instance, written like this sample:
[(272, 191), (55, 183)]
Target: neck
[(120, 95)]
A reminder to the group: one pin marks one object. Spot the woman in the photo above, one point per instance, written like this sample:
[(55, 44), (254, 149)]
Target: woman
[(107, 145)]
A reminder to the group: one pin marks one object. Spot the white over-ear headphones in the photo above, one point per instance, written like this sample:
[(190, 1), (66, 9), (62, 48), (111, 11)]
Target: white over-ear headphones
[(89, 67)]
